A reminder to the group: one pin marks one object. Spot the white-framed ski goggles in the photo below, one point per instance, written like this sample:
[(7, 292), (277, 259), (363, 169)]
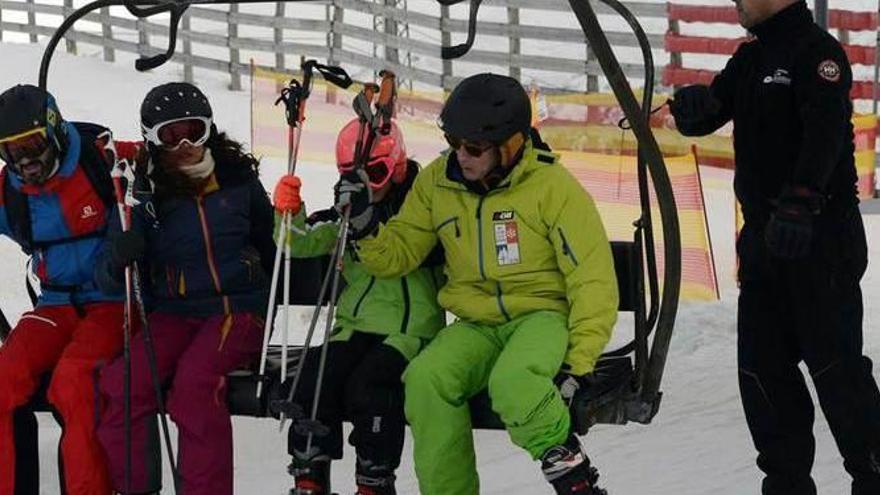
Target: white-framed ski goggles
[(172, 134)]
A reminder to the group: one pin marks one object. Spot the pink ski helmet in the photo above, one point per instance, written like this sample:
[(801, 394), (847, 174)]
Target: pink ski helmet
[(387, 158)]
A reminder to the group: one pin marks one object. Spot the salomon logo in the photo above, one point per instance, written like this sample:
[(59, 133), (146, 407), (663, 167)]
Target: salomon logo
[(88, 212)]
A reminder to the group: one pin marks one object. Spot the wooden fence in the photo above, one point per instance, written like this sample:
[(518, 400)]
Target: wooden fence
[(403, 36)]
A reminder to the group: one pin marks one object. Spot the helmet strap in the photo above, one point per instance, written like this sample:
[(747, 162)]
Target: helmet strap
[(511, 149)]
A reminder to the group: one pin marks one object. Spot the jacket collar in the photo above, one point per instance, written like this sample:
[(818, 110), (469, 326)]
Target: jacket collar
[(784, 23), (528, 162)]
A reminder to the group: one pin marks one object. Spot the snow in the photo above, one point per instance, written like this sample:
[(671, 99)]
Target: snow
[(698, 444)]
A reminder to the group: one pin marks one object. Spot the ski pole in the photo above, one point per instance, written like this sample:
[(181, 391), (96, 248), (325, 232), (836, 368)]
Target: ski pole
[(294, 97), (362, 105), (373, 122), (125, 201), (287, 408)]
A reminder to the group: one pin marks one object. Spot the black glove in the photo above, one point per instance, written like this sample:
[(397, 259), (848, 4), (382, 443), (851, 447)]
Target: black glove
[(353, 191), (126, 247), (693, 104), (789, 232)]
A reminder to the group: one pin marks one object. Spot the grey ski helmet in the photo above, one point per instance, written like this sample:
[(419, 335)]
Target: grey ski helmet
[(487, 107)]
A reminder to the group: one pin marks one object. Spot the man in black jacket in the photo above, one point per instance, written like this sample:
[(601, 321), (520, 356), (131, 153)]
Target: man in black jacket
[(802, 250)]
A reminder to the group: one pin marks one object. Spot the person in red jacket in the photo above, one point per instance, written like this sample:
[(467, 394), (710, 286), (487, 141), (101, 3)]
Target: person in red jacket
[(56, 202)]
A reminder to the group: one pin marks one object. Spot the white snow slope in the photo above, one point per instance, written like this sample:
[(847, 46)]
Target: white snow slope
[(697, 445)]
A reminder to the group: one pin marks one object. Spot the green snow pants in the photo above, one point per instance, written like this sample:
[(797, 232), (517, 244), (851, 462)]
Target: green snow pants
[(517, 361)]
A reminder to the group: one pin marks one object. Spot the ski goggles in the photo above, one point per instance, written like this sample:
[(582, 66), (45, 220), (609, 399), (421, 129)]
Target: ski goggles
[(32, 144), (378, 170), (172, 134), (475, 150)]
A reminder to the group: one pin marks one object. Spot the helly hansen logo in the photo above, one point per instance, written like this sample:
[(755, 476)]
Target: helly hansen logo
[(88, 211), (500, 216), (780, 76)]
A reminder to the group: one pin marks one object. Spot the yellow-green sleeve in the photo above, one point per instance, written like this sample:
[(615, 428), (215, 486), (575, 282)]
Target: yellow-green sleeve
[(405, 241), (584, 256)]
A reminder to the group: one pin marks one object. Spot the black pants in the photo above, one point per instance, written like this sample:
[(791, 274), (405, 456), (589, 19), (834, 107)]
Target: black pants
[(807, 310), (362, 384), (27, 455)]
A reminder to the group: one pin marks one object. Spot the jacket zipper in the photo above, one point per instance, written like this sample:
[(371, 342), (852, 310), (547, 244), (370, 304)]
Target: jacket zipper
[(209, 250), (357, 307), (500, 301), (480, 237), (406, 303), (566, 249)]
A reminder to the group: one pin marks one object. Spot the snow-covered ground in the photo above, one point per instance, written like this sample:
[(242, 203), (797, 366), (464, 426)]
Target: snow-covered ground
[(697, 445)]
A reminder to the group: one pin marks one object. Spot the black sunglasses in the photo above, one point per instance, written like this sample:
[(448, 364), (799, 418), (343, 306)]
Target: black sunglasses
[(475, 150)]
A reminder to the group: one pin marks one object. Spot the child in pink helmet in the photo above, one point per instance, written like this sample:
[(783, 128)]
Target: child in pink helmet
[(380, 325)]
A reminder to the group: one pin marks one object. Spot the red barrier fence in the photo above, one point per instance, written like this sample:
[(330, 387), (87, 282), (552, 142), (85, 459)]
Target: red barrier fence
[(677, 44)]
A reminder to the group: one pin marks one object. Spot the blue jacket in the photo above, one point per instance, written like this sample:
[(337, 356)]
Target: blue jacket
[(207, 254), (68, 220)]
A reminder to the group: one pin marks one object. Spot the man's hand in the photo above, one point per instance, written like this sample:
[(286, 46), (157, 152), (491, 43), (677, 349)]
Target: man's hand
[(789, 232), (693, 104)]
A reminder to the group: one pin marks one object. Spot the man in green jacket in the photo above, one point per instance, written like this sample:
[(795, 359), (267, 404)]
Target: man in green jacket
[(530, 278)]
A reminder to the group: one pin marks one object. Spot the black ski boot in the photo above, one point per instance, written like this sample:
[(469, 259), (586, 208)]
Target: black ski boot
[(311, 477), (568, 469), (374, 479)]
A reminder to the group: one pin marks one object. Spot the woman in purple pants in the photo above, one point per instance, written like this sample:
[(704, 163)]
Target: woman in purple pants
[(202, 236)]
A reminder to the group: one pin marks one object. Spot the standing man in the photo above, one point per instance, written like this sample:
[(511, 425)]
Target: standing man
[(530, 278), (802, 250), (55, 201)]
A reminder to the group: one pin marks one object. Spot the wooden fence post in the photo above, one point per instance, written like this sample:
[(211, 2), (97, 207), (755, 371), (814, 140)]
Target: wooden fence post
[(186, 28), (234, 68), (143, 37), (445, 40), (279, 37), (334, 37), (32, 21), (107, 33), (514, 42), (67, 9)]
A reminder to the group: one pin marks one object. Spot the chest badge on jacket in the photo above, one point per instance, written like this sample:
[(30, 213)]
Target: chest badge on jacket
[(506, 238), (780, 76), (829, 70)]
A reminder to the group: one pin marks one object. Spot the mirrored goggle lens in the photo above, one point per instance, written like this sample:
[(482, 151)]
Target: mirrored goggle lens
[(379, 171), (30, 145), (173, 134)]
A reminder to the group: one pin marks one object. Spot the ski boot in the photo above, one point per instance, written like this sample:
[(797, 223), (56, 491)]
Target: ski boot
[(568, 469), (311, 476), (374, 479)]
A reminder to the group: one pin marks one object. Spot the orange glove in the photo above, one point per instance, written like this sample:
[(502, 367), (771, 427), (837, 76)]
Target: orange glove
[(287, 198)]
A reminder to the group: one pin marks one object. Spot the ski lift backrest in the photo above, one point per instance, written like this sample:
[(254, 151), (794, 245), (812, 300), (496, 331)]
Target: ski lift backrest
[(629, 269)]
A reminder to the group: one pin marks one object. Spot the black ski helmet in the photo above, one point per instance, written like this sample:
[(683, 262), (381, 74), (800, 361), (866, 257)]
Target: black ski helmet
[(24, 108), (176, 100), (487, 107)]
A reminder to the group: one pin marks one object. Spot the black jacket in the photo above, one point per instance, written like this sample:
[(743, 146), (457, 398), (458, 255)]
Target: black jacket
[(787, 92)]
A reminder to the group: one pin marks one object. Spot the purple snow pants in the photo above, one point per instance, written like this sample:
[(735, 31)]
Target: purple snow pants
[(193, 356)]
